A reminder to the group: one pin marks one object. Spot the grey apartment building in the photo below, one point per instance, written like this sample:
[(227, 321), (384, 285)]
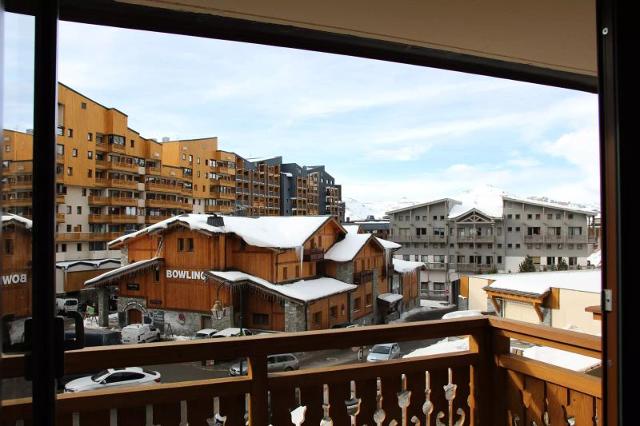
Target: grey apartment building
[(310, 190), (488, 230)]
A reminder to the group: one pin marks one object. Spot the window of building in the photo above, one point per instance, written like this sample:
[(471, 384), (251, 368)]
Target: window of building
[(517, 216), (260, 319), (333, 312), (285, 272), (79, 247), (499, 259), (407, 218), (89, 136), (317, 318), (8, 246), (68, 228), (570, 216), (357, 304), (517, 246), (509, 245), (435, 218), (83, 105), (509, 229), (132, 143), (90, 155), (99, 138), (558, 216), (549, 216), (509, 216), (579, 246), (89, 173), (156, 274), (84, 192), (69, 171), (7, 148), (60, 149), (529, 246), (79, 209), (180, 244), (68, 209), (97, 245), (74, 152), (189, 244), (70, 133), (63, 248), (517, 229)]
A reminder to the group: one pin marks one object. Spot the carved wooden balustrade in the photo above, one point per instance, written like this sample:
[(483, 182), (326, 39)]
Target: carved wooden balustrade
[(486, 385)]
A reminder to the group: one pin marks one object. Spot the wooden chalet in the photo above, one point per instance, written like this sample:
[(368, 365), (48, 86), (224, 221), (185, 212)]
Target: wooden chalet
[(271, 273), (16, 266)]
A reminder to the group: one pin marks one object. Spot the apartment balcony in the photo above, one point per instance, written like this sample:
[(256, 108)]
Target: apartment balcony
[(17, 186), (123, 183), (102, 182), (223, 195), (60, 217), (123, 201), (533, 238), (17, 202), (224, 170), (124, 166), (155, 219), (577, 239), (313, 255), (436, 266), (362, 277), (162, 187), (86, 236), (553, 239), (123, 218), (153, 171), (60, 198), (95, 200), (437, 239), (168, 204), (218, 209), (18, 168), (116, 147), (476, 268), (99, 218), (103, 164), (487, 384)]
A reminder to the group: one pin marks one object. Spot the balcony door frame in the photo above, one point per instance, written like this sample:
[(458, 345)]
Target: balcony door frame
[(615, 136)]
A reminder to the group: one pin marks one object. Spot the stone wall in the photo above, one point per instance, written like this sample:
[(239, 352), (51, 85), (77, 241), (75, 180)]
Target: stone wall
[(294, 317)]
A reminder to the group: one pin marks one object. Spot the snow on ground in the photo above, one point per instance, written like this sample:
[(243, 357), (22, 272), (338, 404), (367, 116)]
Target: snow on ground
[(92, 322), (434, 304), (560, 358), (444, 346)]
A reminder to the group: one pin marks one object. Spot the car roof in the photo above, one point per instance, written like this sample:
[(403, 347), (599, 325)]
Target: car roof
[(461, 314), (207, 330), (385, 344), (130, 369)]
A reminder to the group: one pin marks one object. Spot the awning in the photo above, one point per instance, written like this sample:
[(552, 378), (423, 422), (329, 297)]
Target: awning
[(115, 275)]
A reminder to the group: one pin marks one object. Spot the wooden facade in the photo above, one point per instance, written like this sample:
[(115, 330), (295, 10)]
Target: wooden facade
[(181, 282), (16, 268)]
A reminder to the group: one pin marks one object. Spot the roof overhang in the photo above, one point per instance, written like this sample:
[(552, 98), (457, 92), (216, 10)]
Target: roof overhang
[(114, 276), (536, 300)]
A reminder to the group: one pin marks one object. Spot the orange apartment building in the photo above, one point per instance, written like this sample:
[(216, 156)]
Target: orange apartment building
[(272, 273)]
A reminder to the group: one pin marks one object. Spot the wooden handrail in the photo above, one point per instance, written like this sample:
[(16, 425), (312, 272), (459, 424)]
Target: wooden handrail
[(96, 358), (567, 340)]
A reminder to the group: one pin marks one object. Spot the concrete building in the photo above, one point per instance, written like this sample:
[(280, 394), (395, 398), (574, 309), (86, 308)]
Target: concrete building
[(487, 230), (310, 190), (560, 299)]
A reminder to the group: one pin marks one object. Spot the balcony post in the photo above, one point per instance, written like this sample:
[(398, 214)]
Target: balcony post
[(486, 379), (258, 410)]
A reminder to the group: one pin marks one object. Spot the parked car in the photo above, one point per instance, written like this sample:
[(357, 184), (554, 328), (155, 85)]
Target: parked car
[(280, 362), (66, 305), (205, 333), (127, 376), (139, 333), (233, 332), (384, 352)]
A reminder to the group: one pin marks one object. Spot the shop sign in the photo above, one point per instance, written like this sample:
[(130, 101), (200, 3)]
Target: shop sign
[(14, 279), (185, 275)]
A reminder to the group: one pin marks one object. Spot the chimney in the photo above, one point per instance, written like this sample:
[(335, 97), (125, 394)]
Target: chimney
[(215, 220)]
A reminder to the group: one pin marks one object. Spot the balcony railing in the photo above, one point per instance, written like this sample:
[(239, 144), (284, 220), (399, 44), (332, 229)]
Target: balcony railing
[(362, 277), (87, 236), (313, 255), (473, 267), (484, 385), (438, 266), (577, 239), (533, 238)]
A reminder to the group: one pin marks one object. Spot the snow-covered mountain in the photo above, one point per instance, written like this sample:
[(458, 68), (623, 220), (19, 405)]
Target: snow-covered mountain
[(358, 210)]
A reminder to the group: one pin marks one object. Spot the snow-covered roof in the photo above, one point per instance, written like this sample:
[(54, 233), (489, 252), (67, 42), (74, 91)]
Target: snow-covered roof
[(539, 283), (390, 297), (388, 245), (489, 200), (264, 231), (117, 273), (10, 217), (442, 347), (595, 259), (96, 263), (302, 291), (404, 266), (346, 249), (486, 199), (560, 358)]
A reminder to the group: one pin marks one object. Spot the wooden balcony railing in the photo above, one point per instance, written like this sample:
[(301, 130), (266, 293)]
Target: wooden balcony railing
[(362, 277), (313, 255), (484, 385)]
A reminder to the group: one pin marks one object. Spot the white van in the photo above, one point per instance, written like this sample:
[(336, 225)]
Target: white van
[(139, 333), (66, 305)]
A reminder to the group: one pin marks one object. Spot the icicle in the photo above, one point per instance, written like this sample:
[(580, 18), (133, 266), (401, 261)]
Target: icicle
[(300, 254)]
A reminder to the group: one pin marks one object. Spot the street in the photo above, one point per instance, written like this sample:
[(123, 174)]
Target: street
[(18, 388)]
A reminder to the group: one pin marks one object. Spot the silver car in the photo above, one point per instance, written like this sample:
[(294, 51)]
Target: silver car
[(384, 352), (280, 362)]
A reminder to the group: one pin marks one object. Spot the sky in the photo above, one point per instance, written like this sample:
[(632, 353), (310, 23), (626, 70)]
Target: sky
[(387, 132)]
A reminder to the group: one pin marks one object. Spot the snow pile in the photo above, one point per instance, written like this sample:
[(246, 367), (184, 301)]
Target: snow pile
[(303, 290), (346, 249), (264, 231), (539, 283), (434, 304), (388, 245), (404, 266), (444, 346), (560, 358)]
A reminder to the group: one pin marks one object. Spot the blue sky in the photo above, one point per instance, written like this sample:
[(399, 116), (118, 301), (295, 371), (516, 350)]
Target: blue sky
[(386, 131)]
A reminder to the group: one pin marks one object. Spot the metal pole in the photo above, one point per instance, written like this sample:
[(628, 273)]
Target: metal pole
[(44, 204)]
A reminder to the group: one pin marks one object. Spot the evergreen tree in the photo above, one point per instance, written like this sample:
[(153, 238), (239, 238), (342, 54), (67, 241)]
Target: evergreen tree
[(527, 265), (562, 264)]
